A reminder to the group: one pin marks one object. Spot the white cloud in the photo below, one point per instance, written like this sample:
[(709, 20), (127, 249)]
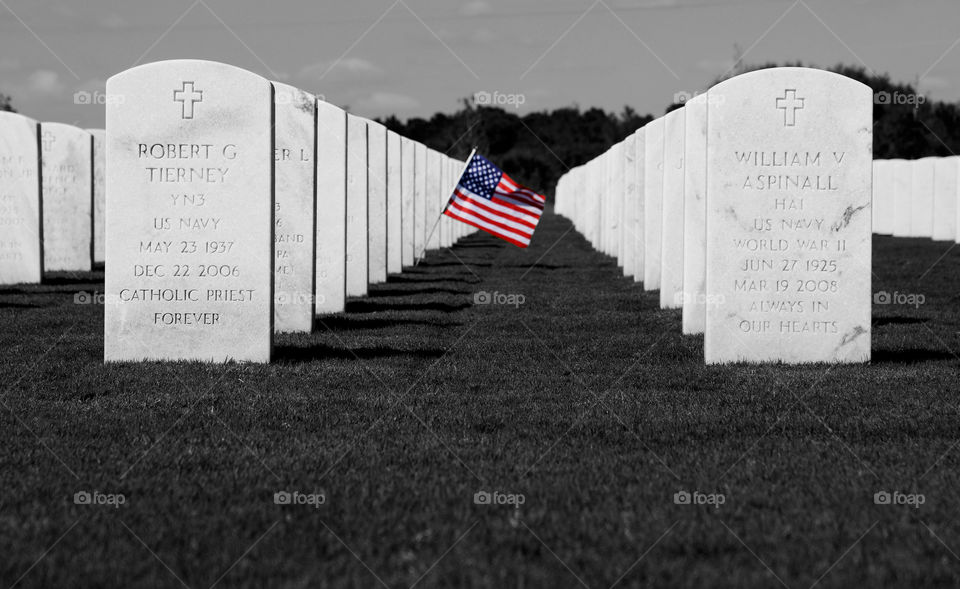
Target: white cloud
[(348, 68), (934, 83), (44, 83), (484, 36), (113, 21), (9, 64), (386, 103), (475, 8)]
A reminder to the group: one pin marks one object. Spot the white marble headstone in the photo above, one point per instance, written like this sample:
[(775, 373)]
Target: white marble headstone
[(433, 200), (394, 205), (883, 217), (377, 211), (331, 219), (789, 172), (902, 193), (639, 211), (190, 236), (921, 202), (67, 193), (695, 216), (407, 182), (420, 200), (629, 232), (945, 186), (295, 145), (357, 207), (615, 200), (21, 248), (671, 239), (653, 204), (99, 194)]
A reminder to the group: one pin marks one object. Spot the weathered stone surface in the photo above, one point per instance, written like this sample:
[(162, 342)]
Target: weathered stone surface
[(190, 236), (21, 246), (789, 172)]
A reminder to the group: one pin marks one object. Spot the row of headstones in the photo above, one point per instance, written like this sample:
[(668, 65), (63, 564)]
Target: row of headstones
[(749, 209), (237, 208), (917, 198), (51, 198)]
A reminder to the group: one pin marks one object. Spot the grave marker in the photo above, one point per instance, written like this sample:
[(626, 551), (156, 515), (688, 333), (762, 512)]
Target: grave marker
[(377, 212), (357, 211), (407, 182), (190, 236), (789, 171), (295, 131), (902, 193), (394, 205), (67, 193), (653, 204), (671, 239), (21, 241), (921, 200), (99, 194), (331, 219), (695, 216), (947, 173)]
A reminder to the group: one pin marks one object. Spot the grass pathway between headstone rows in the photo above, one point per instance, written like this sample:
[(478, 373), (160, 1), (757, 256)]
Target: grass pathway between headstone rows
[(585, 399)]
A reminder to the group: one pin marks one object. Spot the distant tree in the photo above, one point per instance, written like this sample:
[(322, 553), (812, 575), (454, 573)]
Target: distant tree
[(6, 103)]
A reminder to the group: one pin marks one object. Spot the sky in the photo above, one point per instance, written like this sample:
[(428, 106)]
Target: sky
[(417, 57)]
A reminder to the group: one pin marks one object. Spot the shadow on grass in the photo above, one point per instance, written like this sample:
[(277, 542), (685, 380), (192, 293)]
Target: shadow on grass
[(71, 279), (881, 321), (375, 292), (368, 306), (457, 264), (909, 356), (347, 323), (21, 306), (409, 276), (539, 266), (296, 354)]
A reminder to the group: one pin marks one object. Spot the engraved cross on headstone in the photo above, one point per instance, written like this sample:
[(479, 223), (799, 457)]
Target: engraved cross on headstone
[(187, 96), (790, 104), (47, 139)]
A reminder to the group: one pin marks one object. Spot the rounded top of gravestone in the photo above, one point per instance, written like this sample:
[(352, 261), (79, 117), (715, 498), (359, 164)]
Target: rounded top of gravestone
[(779, 73), (375, 126), (15, 116), (929, 158), (97, 132), (657, 122), (64, 129), (287, 94), (187, 66)]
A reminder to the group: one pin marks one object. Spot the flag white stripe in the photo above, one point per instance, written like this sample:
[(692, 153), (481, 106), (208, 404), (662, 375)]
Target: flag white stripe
[(527, 215), (465, 204), (492, 228), (525, 205)]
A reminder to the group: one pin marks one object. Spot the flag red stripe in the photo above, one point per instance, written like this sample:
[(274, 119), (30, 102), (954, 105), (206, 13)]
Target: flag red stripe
[(522, 244), (502, 210), (471, 208), (530, 208)]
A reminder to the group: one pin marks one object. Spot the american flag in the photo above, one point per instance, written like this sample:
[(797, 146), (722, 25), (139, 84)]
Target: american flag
[(488, 199)]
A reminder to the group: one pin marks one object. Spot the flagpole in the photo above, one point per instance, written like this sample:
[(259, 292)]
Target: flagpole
[(423, 253)]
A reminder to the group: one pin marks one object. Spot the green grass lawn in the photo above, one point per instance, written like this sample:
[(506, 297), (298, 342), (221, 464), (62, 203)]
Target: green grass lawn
[(585, 400)]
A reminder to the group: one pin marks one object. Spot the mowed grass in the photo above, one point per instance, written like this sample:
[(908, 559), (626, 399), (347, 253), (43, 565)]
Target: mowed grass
[(585, 399)]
